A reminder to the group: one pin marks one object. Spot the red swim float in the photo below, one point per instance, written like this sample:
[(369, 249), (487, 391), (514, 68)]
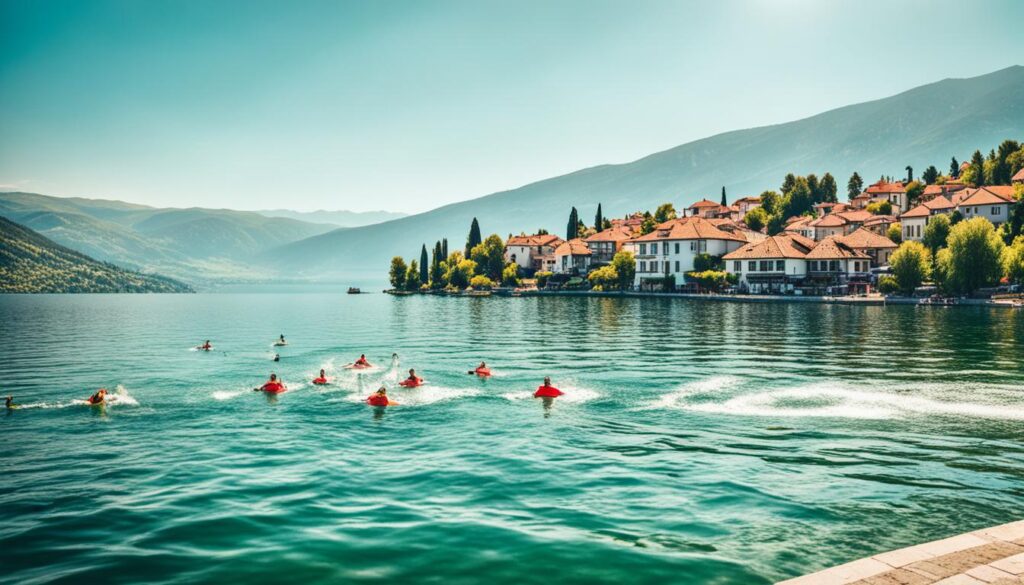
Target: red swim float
[(377, 400), (319, 381), (411, 382), (274, 387), (483, 372), (547, 392)]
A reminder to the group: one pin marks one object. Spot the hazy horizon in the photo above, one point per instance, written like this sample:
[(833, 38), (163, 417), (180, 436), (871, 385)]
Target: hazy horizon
[(407, 107)]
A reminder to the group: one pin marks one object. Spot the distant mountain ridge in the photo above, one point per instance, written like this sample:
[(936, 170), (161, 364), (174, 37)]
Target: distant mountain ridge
[(340, 218), (922, 126), (32, 263), (192, 244)]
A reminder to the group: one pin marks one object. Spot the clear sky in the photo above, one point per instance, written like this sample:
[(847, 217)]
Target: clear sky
[(410, 105)]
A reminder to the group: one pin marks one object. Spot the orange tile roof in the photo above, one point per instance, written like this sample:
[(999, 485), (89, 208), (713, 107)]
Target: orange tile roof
[(689, 228), (613, 234), (856, 215), (575, 247), (937, 205), (864, 238), (831, 220), (884, 187), (880, 219), (1018, 176), (704, 203), (993, 195), (534, 240), (832, 249), (784, 245), (747, 199)]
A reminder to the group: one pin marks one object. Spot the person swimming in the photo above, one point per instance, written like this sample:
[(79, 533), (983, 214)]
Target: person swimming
[(272, 385), (362, 361), (281, 341), (482, 370), (547, 390), (277, 357), (205, 346), (412, 381), (322, 379), (9, 403), (380, 398), (100, 397)]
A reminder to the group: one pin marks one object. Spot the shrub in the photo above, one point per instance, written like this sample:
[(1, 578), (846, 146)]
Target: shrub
[(887, 284), (975, 256), (605, 277), (481, 282), (910, 265), (542, 277)]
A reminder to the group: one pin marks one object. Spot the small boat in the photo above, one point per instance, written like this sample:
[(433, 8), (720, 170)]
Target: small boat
[(354, 290)]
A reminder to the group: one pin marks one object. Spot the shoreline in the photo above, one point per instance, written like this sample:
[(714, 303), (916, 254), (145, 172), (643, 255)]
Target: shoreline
[(873, 301)]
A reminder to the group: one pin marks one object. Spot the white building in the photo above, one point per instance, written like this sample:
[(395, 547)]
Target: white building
[(671, 248), (572, 257), (914, 221), (530, 252), (774, 264), (993, 203)]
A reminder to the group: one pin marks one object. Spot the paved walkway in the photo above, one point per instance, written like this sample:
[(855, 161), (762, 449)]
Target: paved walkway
[(991, 556)]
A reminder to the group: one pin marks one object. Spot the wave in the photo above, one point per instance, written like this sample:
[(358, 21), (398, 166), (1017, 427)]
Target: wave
[(572, 394), (119, 397), (724, 395), (419, 396)]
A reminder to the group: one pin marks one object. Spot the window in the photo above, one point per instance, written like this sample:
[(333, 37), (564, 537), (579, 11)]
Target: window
[(693, 245), (752, 266), (643, 250), (766, 265), (643, 265), (737, 266), (677, 265), (995, 210), (654, 248), (677, 251), (812, 265), (780, 266), (833, 265)]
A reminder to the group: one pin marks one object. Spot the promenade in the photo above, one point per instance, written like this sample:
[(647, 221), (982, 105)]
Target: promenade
[(990, 556)]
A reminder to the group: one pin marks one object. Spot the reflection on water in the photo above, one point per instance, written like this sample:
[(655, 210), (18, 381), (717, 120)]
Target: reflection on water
[(696, 441)]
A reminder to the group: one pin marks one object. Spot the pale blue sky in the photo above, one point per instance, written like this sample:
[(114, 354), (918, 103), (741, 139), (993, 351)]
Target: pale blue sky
[(411, 105)]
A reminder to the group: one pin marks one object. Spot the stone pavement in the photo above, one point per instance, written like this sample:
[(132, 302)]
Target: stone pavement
[(991, 556)]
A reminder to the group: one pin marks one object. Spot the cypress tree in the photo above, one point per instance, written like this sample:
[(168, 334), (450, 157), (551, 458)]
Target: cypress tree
[(725, 202), (599, 220), (474, 237), (435, 267), (910, 174), (954, 168), (444, 248), (573, 227), (854, 186), (424, 267)]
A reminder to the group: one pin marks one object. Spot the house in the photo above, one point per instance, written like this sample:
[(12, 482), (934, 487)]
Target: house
[(632, 222), (703, 208), (993, 203), (880, 223), (832, 264), (913, 221), (947, 189), (671, 248), (531, 252), (773, 265), (1018, 178), (866, 241), (840, 223), (745, 205), (604, 244), (895, 193), (572, 257), (800, 225)]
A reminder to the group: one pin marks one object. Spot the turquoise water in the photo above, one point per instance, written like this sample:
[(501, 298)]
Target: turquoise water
[(697, 442)]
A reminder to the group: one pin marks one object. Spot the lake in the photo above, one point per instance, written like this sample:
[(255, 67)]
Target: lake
[(697, 442)]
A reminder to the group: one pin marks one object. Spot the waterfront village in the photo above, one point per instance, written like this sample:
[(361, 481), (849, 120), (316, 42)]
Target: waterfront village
[(937, 237)]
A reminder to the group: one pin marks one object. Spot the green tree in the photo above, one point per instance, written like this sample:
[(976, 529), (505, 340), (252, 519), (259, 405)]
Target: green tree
[(473, 239), (1016, 161), (625, 267), (829, 189), (458, 270), (481, 282), (887, 284), (910, 265), (976, 170), (895, 233), (787, 183), (910, 174), (954, 168), (814, 187), (1013, 260), (424, 266), (705, 262), (412, 277), (725, 202), (799, 200), (542, 278), (936, 232), (436, 270), (756, 219), (771, 202), (914, 191), (975, 255), (854, 186), (665, 212), (599, 220), (879, 208), (930, 175), (489, 257), (1002, 171), (648, 225), (572, 228), (397, 273), (444, 248), (510, 275), (604, 278), (776, 223)]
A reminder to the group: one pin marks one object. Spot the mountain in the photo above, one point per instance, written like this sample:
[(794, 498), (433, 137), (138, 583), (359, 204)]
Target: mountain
[(194, 244), (340, 218), (32, 263), (923, 126)]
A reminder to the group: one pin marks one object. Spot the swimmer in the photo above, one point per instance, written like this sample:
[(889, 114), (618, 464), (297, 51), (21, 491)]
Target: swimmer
[(482, 370), (547, 390), (100, 397), (380, 398), (321, 380), (412, 381)]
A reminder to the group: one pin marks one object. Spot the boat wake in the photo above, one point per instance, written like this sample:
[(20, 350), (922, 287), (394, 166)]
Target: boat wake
[(119, 397)]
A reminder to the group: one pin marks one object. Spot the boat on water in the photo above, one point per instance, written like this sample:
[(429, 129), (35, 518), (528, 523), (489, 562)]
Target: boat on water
[(352, 290)]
